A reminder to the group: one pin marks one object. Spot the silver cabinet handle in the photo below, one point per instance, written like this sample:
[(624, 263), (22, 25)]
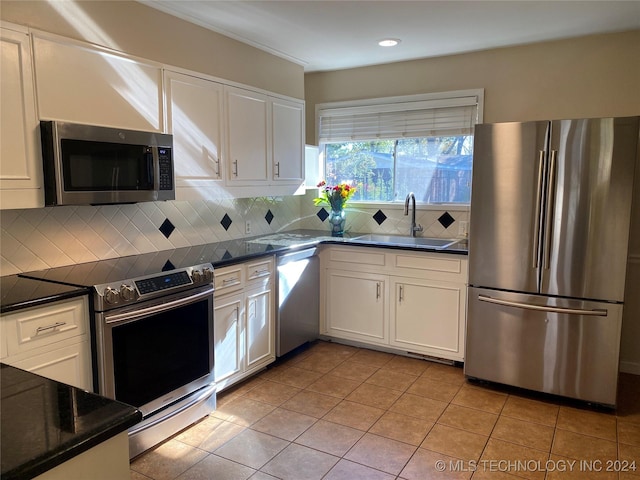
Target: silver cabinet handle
[(377, 290), (260, 273), (401, 296), (50, 327), (543, 308), (229, 281), (235, 168), (277, 172)]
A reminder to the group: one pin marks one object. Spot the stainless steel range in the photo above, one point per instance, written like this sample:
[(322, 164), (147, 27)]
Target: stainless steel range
[(153, 339)]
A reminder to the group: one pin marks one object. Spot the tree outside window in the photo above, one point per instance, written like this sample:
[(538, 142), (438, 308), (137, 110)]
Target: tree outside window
[(436, 168)]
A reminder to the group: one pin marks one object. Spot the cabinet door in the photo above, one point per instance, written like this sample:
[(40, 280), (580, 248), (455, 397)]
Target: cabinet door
[(260, 330), (20, 159), (247, 124), (228, 338), (288, 140), (428, 317), (84, 84), (70, 365), (357, 306), (194, 117)]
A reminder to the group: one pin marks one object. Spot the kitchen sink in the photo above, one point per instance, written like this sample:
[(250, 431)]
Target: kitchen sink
[(435, 243)]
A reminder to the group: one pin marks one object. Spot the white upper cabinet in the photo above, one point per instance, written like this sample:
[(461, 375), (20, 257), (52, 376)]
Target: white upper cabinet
[(194, 117), (265, 140), (247, 131), (80, 83), (20, 158), (288, 140)]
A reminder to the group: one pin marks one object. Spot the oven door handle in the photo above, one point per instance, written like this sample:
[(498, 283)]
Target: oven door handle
[(145, 312)]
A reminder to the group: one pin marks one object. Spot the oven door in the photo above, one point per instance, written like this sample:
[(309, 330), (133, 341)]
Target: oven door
[(154, 354)]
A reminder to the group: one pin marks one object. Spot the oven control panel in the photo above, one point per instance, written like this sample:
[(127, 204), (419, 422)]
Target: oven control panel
[(164, 282), (135, 289)]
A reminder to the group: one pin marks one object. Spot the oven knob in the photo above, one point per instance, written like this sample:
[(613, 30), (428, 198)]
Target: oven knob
[(208, 274), (196, 275), (127, 292), (111, 295)]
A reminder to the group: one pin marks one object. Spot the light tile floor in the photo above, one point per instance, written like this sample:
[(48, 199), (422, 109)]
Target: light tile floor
[(339, 412)]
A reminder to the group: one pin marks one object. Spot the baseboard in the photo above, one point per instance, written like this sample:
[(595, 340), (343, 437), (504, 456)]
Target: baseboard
[(630, 367)]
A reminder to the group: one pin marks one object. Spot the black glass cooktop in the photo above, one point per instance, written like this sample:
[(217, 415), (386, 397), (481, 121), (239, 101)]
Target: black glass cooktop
[(135, 266)]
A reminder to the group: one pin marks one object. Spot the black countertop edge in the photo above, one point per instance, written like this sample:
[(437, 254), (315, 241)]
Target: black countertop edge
[(323, 239), (19, 292), (107, 418), (70, 450)]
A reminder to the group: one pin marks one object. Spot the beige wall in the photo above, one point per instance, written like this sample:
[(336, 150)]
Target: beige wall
[(592, 76), (142, 31)]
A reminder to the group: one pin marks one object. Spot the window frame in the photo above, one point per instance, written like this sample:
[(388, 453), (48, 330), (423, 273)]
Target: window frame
[(397, 103)]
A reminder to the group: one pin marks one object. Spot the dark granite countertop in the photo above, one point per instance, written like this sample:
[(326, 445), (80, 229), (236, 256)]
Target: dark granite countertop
[(44, 423), (28, 289), (18, 292)]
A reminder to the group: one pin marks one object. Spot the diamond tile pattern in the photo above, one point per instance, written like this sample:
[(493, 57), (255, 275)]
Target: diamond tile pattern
[(379, 217), (402, 419), (167, 228), (322, 214), (269, 217), (35, 239), (446, 220), (226, 221)]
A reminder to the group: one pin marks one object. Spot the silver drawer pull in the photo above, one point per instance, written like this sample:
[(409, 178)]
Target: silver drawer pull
[(259, 273), (50, 327), (230, 280)]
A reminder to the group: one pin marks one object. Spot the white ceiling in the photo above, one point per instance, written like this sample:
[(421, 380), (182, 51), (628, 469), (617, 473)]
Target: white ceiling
[(329, 35)]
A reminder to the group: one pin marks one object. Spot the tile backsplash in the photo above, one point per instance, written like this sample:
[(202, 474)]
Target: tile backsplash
[(35, 239)]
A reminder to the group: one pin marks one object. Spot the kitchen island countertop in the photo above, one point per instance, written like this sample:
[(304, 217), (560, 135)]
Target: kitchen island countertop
[(44, 423)]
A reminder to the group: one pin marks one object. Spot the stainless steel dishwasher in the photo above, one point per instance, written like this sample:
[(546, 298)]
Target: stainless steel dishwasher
[(298, 304)]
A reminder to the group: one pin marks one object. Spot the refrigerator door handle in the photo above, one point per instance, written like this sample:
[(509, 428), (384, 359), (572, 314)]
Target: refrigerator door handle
[(551, 200), (536, 222), (543, 308)]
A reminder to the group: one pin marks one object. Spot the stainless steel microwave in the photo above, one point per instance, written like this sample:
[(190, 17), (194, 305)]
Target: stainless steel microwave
[(89, 165)]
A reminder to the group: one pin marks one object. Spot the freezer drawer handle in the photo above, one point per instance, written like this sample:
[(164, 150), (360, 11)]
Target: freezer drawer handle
[(543, 308)]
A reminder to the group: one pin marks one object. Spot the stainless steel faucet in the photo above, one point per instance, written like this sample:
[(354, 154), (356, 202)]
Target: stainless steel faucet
[(414, 228)]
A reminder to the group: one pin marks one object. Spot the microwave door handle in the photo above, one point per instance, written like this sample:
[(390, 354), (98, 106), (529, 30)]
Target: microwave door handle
[(150, 167)]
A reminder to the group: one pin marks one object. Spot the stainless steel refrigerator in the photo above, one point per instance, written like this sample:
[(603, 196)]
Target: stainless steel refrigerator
[(548, 241)]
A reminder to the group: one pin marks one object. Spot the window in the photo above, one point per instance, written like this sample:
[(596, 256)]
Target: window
[(390, 147)]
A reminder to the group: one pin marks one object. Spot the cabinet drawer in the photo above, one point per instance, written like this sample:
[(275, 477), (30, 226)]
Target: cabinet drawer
[(261, 270), (430, 262), (365, 256), (228, 279), (37, 327)]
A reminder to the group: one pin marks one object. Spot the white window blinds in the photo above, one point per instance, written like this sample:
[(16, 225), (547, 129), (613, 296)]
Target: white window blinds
[(450, 113)]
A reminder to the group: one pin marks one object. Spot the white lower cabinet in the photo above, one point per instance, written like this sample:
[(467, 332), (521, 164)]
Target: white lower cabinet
[(427, 317), (244, 320), (51, 340), (228, 338), (357, 306), (409, 301)]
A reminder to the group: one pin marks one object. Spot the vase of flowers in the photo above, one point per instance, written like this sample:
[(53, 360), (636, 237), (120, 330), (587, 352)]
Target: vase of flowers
[(336, 198)]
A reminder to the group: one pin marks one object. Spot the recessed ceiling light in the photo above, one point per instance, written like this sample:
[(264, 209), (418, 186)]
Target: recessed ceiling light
[(389, 42)]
